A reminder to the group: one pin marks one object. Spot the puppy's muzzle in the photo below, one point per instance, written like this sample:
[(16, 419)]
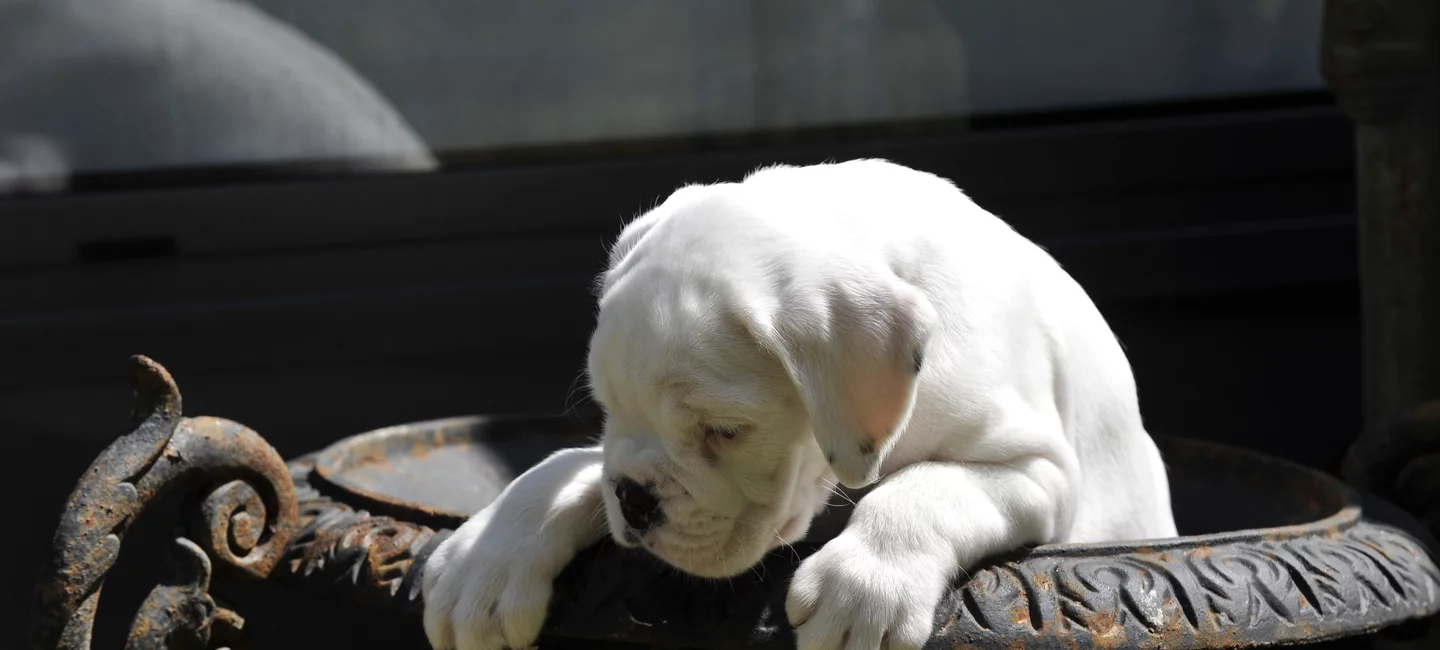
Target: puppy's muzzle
[(639, 506)]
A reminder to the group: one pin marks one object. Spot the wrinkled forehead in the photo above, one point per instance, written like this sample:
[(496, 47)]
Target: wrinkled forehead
[(685, 350)]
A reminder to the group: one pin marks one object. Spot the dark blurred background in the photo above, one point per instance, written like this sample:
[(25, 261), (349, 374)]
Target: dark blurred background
[(325, 217)]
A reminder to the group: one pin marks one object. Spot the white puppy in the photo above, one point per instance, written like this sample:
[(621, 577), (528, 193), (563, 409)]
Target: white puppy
[(860, 322)]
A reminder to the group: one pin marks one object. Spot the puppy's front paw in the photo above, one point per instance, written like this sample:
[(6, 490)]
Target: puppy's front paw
[(487, 588), (849, 597)]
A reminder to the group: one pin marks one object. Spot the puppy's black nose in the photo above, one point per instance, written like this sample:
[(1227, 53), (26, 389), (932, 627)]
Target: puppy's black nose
[(638, 505)]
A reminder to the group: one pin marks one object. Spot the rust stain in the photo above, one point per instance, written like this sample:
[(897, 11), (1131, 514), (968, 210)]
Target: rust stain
[(1020, 614), (242, 526), (376, 457), (1378, 549), (1150, 553), (1208, 634), (1105, 631), (1173, 626)]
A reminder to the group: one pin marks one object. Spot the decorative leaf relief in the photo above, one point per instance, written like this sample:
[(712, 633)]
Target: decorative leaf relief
[(1261, 589), (351, 550)]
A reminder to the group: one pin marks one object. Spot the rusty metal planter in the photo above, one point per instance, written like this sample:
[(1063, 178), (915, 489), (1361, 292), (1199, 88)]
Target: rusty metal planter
[(355, 521)]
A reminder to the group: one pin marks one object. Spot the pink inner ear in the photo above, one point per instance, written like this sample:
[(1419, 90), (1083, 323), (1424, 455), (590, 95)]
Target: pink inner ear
[(876, 396)]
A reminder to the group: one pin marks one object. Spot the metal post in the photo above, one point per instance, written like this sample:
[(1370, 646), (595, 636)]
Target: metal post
[(1380, 59)]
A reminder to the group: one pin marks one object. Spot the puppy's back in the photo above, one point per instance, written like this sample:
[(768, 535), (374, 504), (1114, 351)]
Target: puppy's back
[(991, 284)]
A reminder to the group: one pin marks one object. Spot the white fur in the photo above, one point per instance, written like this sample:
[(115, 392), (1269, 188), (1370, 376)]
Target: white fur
[(789, 309)]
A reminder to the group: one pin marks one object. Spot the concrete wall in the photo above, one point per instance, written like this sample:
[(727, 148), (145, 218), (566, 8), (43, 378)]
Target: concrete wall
[(484, 73)]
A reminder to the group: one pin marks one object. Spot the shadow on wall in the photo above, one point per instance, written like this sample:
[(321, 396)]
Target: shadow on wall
[(145, 84)]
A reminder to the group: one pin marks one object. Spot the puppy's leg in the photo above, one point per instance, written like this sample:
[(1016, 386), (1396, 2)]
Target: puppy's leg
[(881, 579), (488, 586)]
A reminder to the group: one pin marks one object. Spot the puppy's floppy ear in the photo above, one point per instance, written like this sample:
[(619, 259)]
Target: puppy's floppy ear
[(854, 349)]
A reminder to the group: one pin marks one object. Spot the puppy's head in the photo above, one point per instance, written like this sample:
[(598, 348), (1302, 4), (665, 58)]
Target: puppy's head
[(741, 375)]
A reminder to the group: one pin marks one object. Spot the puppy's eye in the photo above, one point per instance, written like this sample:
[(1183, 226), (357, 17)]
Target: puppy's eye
[(722, 431)]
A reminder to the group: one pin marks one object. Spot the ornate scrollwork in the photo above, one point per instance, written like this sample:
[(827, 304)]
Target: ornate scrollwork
[(374, 560), (1193, 594), (247, 516), (1341, 576), (255, 517), (180, 614)]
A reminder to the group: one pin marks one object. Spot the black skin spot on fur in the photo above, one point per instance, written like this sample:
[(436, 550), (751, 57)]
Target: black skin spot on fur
[(917, 360), (830, 457), (867, 447)]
